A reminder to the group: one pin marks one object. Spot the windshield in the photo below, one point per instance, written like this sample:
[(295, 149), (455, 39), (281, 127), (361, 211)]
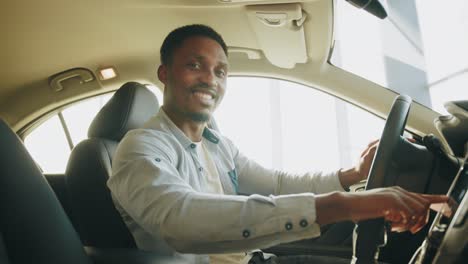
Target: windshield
[(420, 49)]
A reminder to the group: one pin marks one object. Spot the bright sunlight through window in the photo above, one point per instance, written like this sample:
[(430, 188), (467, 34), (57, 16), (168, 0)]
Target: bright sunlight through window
[(280, 124), (289, 126)]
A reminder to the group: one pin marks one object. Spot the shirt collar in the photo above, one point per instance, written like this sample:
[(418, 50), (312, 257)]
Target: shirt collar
[(208, 134)]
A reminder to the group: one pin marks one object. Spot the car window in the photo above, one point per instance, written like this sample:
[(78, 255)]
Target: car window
[(289, 126), (50, 143), (78, 117), (280, 124), (410, 52)]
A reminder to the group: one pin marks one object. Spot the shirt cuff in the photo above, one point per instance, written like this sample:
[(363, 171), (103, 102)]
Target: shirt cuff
[(327, 182), (295, 217), (335, 181), (292, 219)]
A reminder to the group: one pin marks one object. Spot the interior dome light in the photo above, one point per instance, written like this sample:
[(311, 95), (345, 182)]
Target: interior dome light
[(107, 73)]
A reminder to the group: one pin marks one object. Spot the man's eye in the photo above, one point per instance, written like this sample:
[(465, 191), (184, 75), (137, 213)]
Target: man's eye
[(221, 73), (194, 65)]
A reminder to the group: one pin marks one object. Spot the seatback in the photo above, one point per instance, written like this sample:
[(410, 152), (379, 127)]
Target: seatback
[(34, 227), (98, 222)]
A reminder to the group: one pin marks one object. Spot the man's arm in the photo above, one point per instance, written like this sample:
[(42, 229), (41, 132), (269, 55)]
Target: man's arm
[(150, 189), (405, 210), (148, 186), (254, 178)]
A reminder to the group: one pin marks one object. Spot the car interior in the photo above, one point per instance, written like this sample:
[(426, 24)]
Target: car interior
[(60, 53)]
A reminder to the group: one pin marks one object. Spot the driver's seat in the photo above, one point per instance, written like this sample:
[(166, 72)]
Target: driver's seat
[(97, 221)]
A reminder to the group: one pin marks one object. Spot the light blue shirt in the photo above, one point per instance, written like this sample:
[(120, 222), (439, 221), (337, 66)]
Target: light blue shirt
[(158, 185)]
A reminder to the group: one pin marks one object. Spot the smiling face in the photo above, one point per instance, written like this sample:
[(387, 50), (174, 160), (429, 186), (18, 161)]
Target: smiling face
[(195, 79)]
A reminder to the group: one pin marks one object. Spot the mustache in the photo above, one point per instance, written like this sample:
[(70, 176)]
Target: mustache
[(203, 86)]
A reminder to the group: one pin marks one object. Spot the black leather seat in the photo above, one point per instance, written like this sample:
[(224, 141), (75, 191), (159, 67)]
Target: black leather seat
[(34, 226), (98, 222)]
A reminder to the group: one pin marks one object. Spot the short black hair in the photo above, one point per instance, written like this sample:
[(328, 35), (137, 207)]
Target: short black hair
[(175, 39)]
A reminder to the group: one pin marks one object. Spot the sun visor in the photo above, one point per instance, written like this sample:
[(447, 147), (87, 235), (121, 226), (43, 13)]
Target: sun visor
[(280, 32)]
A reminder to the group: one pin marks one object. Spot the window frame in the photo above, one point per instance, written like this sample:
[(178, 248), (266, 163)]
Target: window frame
[(336, 98), (31, 126)]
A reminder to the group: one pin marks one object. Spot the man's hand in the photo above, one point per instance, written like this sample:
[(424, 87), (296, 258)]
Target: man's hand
[(407, 211), (361, 170)]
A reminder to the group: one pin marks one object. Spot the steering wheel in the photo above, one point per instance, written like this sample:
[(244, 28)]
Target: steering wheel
[(370, 234)]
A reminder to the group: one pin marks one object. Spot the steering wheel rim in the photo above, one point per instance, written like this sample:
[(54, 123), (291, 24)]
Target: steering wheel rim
[(391, 137), (370, 234)]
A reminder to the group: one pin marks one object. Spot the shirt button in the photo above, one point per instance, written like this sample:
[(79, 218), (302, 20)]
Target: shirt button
[(303, 223), (193, 145), (288, 226), (246, 233), (157, 159), (200, 169)]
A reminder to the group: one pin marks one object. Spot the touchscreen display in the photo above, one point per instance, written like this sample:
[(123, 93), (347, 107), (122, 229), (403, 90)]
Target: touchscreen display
[(456, 193), (435, 248)]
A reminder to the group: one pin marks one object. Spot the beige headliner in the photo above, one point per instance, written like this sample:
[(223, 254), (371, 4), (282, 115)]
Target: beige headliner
[(42, 38)]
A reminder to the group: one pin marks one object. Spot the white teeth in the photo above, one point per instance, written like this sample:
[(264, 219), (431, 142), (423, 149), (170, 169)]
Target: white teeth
[(204, 96)]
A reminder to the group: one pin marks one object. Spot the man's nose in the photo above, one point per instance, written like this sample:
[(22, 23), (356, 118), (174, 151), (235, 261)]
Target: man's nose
[(209, 78)]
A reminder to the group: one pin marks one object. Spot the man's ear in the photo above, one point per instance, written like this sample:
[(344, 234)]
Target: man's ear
[(162, 73)]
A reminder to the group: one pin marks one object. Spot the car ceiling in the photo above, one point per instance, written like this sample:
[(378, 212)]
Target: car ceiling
[(43, 38)]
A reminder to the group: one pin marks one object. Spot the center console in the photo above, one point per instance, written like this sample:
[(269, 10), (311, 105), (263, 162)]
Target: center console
[(447, 238)]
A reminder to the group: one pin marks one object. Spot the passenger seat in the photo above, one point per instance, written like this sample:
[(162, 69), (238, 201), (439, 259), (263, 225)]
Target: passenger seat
[(34, 227)]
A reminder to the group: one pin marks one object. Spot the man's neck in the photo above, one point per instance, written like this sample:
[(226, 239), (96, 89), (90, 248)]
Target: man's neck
[(192, 129)]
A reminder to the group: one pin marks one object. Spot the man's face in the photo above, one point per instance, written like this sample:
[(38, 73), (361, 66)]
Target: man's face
[(195, 80)]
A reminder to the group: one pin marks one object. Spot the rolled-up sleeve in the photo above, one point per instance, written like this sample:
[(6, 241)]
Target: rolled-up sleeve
[(150, 189)]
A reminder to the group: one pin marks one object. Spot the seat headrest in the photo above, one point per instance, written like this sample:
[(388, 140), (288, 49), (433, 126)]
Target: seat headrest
[(129, 108)]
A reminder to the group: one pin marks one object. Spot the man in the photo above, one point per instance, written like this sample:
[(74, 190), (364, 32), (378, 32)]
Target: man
[(186, 191)]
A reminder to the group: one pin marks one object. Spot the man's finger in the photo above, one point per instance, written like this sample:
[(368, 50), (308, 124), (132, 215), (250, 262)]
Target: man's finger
[(370, 145), (431, 198), (443, 208), (373, 142), (371, 152), (421, 221)]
